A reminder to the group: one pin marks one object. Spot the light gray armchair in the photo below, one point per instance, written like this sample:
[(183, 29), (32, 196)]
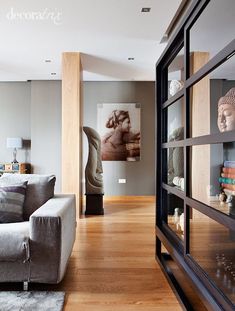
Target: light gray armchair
[(38, 249)]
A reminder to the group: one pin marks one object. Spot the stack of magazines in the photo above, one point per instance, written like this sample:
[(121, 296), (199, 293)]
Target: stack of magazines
[(227, 178)]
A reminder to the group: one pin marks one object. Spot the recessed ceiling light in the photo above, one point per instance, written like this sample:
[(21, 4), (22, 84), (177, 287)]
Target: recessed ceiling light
[(53, 73), (131, 58), (145, 10), (47, 60)]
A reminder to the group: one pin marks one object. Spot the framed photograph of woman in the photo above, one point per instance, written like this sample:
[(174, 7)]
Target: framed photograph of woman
[(119, 128)]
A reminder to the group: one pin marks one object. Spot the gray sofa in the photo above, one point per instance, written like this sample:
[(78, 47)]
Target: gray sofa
[(38, 249)]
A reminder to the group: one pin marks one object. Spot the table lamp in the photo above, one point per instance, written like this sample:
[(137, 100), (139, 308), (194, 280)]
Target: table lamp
[(15, 143)]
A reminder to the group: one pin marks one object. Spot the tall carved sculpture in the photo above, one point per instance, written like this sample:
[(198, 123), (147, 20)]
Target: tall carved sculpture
[(93, 174)]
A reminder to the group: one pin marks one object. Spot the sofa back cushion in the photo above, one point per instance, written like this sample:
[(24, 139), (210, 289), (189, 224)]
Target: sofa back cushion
[(12, 199), (39, 190)]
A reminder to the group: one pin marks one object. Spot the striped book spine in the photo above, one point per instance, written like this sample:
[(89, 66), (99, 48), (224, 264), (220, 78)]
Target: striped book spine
[(228, 170), (230, 164), (227, 175), (228, 186), (227, 180)]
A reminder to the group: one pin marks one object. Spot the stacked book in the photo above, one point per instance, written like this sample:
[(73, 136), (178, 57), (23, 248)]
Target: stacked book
[(227, 178)]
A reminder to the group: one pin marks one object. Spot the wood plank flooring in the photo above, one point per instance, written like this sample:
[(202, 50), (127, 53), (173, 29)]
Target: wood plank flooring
[(113, 264), (113, 267)]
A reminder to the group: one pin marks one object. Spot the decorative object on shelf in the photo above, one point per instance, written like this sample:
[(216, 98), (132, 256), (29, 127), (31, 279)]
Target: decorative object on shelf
[(178, 220), (176, 216), (182, 221), (93, 174), (20, 168), (231, 201), (179, 182), (222, 197), (226, 111), (175, 86), (227, 179), (176, 157), (119, 127), (15, 143)]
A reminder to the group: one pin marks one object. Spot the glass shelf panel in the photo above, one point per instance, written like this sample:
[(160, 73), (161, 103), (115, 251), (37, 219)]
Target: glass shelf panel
[(174, 213), (175, 167), (176, 74), (209, 34), (175, 121), (212, 246), (212, 101), (212, 176)]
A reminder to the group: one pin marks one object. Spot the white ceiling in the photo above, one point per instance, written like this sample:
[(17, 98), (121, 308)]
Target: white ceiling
[(106, 32)]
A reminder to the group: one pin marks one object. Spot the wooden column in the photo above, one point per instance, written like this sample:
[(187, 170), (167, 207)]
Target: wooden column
[(200, 97), (72, 125), (200, 105)]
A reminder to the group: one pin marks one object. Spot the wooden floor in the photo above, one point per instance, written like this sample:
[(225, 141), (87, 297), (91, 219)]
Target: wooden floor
[(113, 264), (113, 267)]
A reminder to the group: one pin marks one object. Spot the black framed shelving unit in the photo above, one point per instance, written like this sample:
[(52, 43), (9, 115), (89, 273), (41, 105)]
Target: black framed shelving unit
[(195, 208)]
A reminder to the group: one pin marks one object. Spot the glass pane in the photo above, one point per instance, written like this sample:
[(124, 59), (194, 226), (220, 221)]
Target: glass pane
[(185, 283), (176, 74), (212, 101), (174, 213), (174, 175), (213, 30), (213, 247), (175, 120), (213, 176)]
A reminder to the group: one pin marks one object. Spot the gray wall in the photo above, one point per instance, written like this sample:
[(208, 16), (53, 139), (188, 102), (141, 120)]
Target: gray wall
[(46, 128), (32, 110), (15, 118), (140, 176)]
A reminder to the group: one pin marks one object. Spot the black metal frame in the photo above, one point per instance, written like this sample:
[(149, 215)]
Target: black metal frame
[(177, 249)]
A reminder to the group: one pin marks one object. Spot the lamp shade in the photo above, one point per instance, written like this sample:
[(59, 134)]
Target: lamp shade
[(15, 142)]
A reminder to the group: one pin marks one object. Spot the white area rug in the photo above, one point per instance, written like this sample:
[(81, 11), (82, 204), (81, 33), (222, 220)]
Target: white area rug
[(31, 301)]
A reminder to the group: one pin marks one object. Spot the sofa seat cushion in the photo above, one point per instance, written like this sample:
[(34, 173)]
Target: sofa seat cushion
[(14, 242), (39, 190)]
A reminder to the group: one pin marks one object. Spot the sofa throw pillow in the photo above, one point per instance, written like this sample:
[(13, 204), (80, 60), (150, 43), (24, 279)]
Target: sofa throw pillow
[(40, 189), (11, 202)]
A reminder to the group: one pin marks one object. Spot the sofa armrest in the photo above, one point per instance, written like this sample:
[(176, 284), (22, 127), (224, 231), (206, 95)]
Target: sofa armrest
[(52, 231)]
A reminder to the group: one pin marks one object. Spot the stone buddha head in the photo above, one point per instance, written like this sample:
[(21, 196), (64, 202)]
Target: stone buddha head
[(175, 86), (226, 111)]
